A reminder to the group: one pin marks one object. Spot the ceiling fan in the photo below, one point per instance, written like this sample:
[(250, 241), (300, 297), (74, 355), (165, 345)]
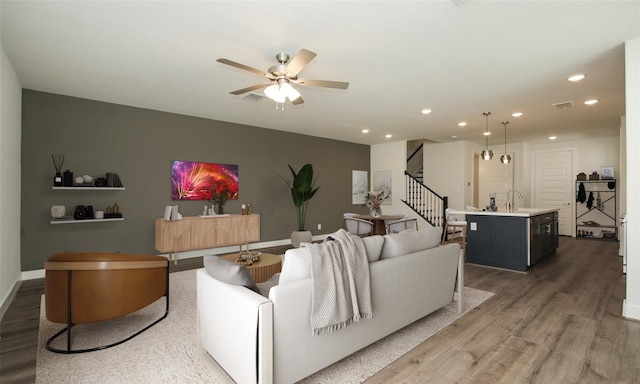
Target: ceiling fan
[(282, 75)]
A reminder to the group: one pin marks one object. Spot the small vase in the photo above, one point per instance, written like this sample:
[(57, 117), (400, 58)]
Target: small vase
[(376, 212), (219, 209)]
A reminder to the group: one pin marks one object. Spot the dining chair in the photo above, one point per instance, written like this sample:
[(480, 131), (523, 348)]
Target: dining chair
[(350, 214), (358, 227), (402, 217), (455, 230), (402, 225)]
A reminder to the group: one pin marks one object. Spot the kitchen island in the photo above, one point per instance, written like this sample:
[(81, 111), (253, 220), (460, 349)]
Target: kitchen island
[(511, 240)]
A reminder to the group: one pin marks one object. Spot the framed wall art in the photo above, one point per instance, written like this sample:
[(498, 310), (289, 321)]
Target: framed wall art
[(359, 183), (382, 182), (195, 180)]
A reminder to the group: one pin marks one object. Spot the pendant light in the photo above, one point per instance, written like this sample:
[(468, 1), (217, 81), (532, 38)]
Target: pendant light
[(487, 154), (505, 159)]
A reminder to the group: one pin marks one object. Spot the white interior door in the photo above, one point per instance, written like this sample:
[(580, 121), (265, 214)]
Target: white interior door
[(494, 177), (553, 186)]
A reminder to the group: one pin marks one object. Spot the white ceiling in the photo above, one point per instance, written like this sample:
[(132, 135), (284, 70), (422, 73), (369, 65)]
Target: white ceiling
[(399, 57)]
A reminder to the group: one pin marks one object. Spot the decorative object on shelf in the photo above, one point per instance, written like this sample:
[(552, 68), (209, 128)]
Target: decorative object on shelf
[(89, 209), (101, 182), (67, 178), (80, 212), (607, 172), (594, 176), (197, 180), (581, 176), (99, 214), (86, 179), (79, 180), (505, 159), (373, 201), (219, 196), (58, 161), (58, 211), (113, 180), (486, 154), (302, 188), (113, 212)]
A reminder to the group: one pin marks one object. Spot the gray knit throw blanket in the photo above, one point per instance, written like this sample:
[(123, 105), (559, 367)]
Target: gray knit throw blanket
[(341, 289)]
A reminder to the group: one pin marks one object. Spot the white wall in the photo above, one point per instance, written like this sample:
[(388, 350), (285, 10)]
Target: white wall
[(10, 142), (446, 171), (392, 157), (631, 306)]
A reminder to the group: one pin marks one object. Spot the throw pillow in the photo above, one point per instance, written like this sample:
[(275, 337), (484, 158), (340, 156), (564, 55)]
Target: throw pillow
[(296, 265), (229, 272), (403, 243), (373, 245)]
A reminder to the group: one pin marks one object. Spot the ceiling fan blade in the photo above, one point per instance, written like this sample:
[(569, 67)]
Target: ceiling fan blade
[(297, 101), (299, 61), (323, 83), (249, 89), (242, 66)]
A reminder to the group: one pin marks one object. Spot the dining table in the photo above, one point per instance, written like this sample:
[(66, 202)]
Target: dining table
[(378, 222)]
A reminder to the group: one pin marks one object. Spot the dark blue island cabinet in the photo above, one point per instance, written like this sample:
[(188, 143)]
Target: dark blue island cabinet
[(513, 241)]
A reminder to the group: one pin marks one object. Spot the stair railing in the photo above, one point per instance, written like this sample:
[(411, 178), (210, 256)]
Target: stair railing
[(424, 201)]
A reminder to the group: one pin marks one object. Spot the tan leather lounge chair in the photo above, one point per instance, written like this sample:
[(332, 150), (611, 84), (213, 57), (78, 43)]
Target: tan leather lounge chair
[(92, 287)]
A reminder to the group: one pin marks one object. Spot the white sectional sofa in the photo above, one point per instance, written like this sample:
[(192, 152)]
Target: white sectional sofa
[(256, 339)]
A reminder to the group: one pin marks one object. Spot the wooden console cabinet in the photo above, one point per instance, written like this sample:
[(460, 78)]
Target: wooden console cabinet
[(193, 232)]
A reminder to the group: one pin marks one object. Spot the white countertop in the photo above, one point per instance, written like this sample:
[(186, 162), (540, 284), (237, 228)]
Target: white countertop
[(518, 212)]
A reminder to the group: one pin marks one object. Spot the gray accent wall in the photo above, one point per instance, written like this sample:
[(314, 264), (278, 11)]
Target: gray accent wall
[(139, 145)]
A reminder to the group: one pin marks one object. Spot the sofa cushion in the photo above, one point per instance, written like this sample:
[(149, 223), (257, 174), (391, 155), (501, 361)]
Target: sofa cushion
[(296, 265), (373, 245), (403, 243), (229, 272)]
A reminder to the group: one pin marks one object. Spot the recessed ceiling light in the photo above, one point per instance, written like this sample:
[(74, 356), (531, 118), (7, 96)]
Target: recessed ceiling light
[(553, 137), (388, 136), (454, 137), (486, 133), (577, 77), (516, 114), (426, 111), (591, 102), (365, 131), (462, 124)]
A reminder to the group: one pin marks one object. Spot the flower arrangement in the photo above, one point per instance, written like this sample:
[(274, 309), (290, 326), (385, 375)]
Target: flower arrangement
[(373, 201), (219, 196)]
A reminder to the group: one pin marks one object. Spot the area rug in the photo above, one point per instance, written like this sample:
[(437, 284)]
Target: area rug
[(170, 352)]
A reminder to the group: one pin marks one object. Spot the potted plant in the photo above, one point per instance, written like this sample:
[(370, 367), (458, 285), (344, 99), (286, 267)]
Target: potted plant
[(302, 190)]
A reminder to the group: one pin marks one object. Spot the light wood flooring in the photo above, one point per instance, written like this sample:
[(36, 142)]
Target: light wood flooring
[(559, 323)]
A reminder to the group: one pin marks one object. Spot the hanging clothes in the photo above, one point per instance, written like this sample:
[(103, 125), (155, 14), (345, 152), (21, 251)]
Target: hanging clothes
[(582, 194), (590, 200)]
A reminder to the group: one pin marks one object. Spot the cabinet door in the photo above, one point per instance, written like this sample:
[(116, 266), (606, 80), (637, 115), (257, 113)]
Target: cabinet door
[(172, 235), (510, 243), (480, 240)]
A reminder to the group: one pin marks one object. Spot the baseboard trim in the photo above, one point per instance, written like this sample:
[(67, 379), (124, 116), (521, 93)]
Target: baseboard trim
[(9, 299)]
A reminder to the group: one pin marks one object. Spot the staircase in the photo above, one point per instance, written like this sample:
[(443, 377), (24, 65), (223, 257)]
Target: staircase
[(425, 202)]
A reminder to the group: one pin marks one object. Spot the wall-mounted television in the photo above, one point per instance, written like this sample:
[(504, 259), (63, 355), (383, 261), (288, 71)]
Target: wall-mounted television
[(195, 180)]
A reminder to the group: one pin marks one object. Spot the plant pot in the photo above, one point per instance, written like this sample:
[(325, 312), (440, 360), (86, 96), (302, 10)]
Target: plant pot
[(298, 237)]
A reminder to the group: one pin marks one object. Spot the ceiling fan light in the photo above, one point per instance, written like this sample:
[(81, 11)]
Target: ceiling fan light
[(274, 93), (287, 90)]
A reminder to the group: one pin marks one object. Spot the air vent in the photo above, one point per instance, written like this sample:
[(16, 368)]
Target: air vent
[(254, 97), (564, 105)]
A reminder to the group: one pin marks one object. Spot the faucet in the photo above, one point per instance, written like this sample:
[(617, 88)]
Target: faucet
[(509, 203)]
